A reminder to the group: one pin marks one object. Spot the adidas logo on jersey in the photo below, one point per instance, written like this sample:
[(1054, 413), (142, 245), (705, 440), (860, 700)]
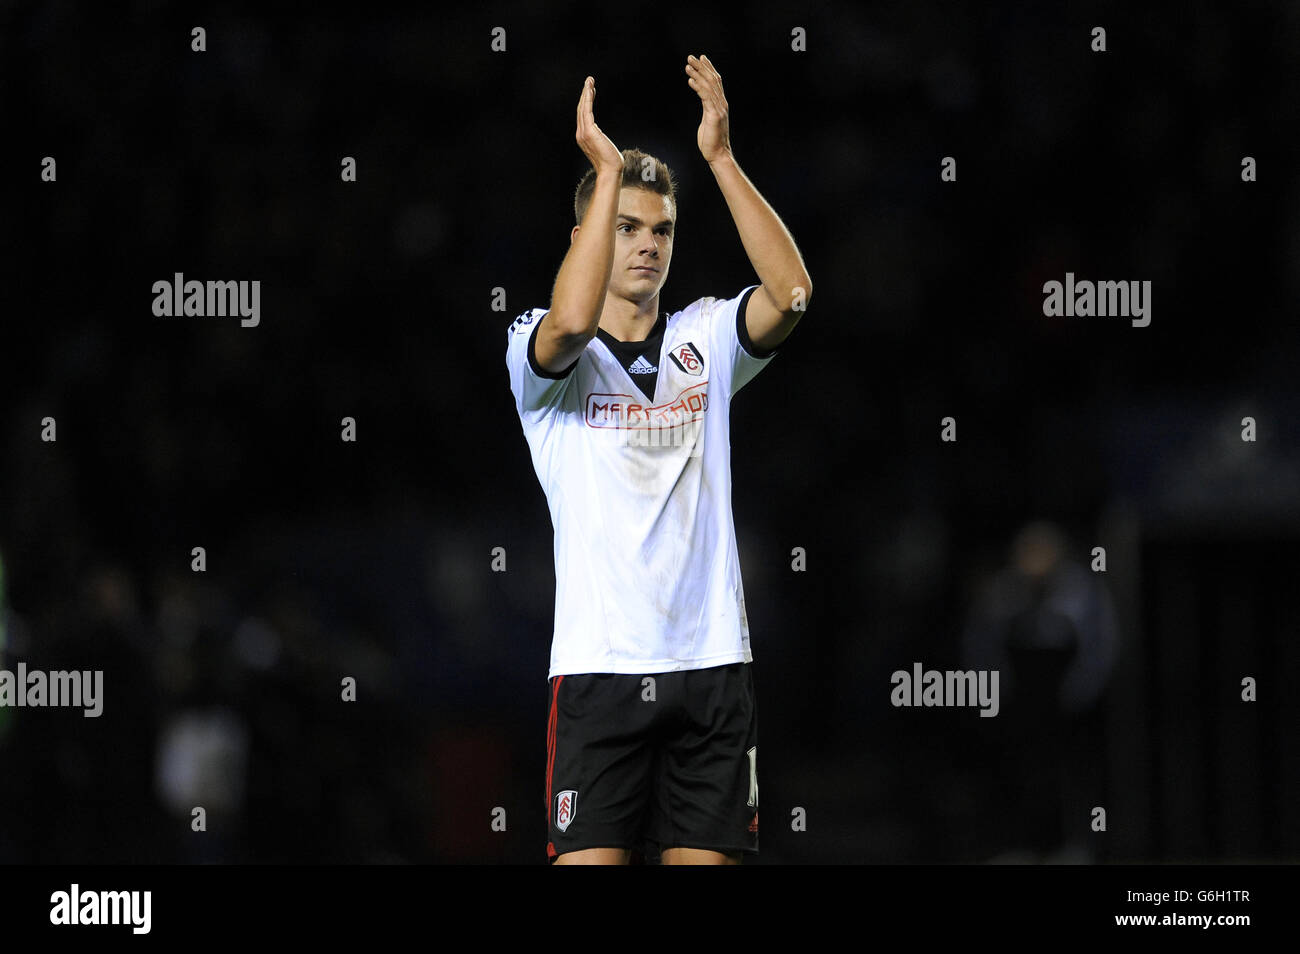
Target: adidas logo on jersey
[(641, 366)]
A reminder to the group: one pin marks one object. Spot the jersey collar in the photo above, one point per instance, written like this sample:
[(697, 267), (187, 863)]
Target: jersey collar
[(660, 326)]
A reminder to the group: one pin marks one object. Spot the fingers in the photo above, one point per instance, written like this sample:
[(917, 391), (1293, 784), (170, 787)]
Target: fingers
[(704, 67), (591, 140), (586, 119), (702, 62), (704, 78), (588, 95)]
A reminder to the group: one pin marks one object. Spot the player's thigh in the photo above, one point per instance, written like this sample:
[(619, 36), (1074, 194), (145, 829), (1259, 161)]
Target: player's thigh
[(595, 856), (598, 764), (706, 793), (698, 856)]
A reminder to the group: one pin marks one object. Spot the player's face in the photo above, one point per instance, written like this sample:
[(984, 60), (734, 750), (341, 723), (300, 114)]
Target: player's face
[(643, 243)]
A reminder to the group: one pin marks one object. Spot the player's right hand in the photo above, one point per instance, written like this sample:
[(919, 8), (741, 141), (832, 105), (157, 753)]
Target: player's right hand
[(597, 147)]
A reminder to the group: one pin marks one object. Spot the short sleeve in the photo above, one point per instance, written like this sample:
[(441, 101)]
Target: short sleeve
[(534, 387), (745, 358)]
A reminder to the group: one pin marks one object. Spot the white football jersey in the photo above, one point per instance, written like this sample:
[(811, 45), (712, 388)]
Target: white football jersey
[(647, 576)]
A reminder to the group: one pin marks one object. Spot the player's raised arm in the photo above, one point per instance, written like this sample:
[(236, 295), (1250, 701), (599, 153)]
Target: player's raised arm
[(772, 314), (579, 293)]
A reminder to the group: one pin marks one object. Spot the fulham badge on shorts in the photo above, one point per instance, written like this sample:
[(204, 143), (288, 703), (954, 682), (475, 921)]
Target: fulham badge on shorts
[(566, 805), (688, 358)]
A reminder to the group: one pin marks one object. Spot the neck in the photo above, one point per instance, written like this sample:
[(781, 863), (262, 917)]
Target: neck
[(629, 320)]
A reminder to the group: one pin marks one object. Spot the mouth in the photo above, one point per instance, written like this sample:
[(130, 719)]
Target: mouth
[(647, 269)]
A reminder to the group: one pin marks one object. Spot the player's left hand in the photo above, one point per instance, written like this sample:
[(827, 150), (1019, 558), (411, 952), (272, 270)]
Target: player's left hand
[(714, 136)]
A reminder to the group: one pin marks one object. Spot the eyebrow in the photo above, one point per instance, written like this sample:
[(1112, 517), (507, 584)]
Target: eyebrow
[(635, 221)]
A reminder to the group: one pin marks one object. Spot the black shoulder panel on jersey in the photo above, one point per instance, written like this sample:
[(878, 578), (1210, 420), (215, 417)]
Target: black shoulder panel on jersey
[(537, 368), (742, 330)]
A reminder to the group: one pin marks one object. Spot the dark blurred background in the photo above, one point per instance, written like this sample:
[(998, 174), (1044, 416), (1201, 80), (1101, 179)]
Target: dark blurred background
[(372, 559)]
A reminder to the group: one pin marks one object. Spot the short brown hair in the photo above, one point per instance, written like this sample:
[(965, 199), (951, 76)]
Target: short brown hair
[(634, 160)]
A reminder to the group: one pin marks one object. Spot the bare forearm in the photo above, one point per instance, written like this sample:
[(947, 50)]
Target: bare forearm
[(579, 293), (767, 242)]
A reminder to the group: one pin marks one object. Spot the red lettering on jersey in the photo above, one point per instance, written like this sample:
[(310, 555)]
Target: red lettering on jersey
[(621, 411)]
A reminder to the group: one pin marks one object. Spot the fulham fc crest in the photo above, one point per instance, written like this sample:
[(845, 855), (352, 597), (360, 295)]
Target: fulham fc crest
[(566, 804), (688, 358)]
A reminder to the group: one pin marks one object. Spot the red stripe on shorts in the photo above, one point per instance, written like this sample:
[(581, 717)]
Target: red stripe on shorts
[(551, 726)]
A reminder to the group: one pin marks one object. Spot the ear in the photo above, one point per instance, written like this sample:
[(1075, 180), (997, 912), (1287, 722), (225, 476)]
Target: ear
[(574, 234)]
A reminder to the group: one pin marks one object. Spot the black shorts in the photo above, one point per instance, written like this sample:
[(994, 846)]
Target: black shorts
[(649, 761)]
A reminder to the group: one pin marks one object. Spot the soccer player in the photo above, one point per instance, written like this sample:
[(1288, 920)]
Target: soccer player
[(652, 744)]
